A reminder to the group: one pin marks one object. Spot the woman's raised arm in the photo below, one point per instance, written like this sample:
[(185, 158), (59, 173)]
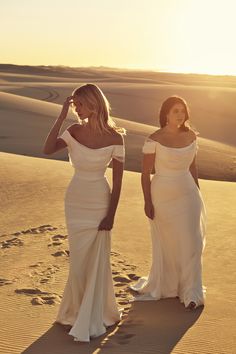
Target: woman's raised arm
[(53, 143)]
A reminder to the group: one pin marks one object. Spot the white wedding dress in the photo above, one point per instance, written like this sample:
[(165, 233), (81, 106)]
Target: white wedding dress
[(177, 230), (88, 302)]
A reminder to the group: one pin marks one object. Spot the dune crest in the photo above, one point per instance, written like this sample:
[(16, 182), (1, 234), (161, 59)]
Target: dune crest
[(26, 123)]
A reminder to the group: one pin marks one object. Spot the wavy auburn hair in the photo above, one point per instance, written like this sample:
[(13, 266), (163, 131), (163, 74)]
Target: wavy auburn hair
[(97, 102), (166, 107)]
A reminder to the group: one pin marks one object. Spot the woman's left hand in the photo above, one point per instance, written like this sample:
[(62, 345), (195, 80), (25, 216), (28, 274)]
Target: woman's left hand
[(106, 223)]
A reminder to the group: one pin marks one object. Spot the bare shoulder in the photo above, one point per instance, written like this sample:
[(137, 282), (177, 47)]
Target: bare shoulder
[(74, 128), (156, 135), (192, 134), (117, 138)]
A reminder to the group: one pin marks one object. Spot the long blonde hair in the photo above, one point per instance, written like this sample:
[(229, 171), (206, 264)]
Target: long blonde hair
[(97, 102)]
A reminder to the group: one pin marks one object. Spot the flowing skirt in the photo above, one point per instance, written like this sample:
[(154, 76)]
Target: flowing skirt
[(177, 233), (88, 302)]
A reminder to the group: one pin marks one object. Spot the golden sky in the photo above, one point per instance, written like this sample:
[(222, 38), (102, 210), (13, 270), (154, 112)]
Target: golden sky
[(167, 35)]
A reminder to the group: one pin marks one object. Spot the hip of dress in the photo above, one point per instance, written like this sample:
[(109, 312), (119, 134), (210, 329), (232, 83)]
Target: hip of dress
[(176, 197), (86, 192), (166, 188), (86, 203)]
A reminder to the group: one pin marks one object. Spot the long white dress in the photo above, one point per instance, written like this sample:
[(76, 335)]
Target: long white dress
[(88, 302), (177, 230)]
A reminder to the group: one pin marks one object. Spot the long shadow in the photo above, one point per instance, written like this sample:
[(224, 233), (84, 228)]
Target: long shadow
[(57, 341), (149, 327)]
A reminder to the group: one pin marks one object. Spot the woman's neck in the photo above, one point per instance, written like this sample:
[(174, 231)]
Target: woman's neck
[(172, 129)]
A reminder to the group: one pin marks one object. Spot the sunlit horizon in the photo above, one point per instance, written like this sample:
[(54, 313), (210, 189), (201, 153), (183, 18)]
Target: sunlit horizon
[(187, 72), (184, 36)]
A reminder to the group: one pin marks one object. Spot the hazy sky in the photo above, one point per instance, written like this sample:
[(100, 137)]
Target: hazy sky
[(166, 35)]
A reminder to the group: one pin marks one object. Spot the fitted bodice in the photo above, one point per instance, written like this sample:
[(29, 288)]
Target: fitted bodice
[(91, 163), (170, 161)]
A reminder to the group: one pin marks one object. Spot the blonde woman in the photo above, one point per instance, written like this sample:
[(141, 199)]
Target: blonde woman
[(174, 206), (88, 304)]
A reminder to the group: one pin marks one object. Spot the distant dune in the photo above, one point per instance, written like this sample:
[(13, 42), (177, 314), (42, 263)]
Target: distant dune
[(136, 95), (26, 121), (34, 242), (121, 75), (30, 100)]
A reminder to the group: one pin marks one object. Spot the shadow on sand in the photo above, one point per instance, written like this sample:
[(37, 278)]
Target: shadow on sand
[(149, 327)]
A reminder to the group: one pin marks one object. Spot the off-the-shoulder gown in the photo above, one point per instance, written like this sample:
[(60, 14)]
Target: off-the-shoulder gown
[(88, 302), (177, 230)]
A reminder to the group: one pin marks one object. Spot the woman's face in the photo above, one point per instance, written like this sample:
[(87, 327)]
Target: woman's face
[(81, 107), (176, 115)]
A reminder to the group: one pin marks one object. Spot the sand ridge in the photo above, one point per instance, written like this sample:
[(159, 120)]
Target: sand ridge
[(26, 122), (137, 95)]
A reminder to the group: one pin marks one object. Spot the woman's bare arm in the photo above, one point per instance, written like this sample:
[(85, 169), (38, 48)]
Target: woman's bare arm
[(117, 175), (148, 164), (53, 143), (194, 172)]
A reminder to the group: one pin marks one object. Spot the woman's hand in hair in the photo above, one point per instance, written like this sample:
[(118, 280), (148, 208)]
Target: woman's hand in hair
[(65, 107)]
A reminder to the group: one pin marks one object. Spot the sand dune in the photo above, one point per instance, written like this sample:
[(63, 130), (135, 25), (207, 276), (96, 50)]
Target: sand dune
[(33, 237), (34, 266), (126, 75), (137, 96), (26, 121)]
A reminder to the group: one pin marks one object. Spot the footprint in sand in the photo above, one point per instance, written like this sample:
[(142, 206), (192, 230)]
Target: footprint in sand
[(133, 276), (12, 242), (36, 230), (45, 280), (17, 233), (57, 240), (118, 294), (115, 254), (55, 243), (31, 291), (59, 237), (129, 267), (36, 265), (42, 298), (61, 253), (122, 279), (119, 284), (46, 274), (52, 268), (5, 281), (52, 299)]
